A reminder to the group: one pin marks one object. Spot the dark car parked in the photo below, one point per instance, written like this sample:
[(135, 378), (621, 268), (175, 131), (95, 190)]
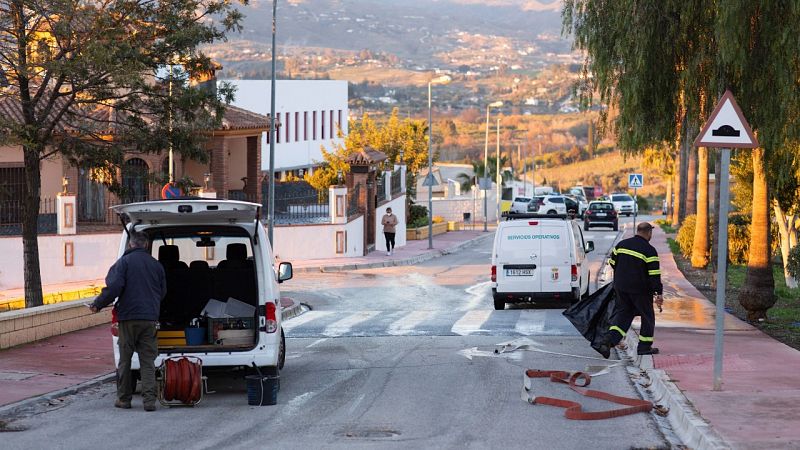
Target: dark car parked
[(601, 214)]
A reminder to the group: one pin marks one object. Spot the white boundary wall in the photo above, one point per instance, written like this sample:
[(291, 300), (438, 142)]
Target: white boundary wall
[(398, 206), (92, 255), (453, 209), (296, 242)]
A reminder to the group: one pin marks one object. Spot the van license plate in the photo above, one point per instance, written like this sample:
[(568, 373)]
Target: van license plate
[(601, 214), (519, 272)]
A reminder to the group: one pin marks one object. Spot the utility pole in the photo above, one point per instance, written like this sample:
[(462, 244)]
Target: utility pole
[(272, 126), (497, 172)]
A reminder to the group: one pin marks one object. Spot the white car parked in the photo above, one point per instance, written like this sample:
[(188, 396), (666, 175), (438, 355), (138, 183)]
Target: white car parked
[(548, 204), (624, 204), (212, 250), (540, 260), (520, 205)]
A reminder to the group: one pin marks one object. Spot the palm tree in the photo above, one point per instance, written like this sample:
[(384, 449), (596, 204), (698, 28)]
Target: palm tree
[(480, 171), (700, 247), (757, 294)]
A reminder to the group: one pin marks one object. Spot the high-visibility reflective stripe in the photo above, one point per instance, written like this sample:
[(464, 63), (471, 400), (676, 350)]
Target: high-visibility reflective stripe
[(651, 259), (611, 261), (654, 272), (645, 339), (625, 251), (616, 328), (614, 251)]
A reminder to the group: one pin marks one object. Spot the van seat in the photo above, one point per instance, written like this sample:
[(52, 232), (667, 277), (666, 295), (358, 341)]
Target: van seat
[(235, 276), (201, 287), (173, 305)]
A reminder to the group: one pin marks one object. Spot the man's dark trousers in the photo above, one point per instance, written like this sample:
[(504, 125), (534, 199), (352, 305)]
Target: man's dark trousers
[(628, 306), (137, 336)]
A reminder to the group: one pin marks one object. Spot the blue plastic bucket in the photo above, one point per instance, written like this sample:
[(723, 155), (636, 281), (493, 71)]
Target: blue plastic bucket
[(195, 336), (262, 390)]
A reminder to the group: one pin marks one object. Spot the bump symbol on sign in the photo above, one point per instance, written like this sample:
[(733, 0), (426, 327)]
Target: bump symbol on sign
[(726, 130)]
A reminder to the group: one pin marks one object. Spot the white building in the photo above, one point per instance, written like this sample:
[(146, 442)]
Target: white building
[(310, 113)]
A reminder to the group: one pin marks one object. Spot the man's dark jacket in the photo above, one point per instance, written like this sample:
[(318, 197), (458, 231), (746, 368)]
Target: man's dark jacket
[(139, 282), (636, 267)]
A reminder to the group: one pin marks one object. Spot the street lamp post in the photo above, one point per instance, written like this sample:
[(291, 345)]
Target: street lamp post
[(496, 104), (440, 80), (272, 126), (497, 173)]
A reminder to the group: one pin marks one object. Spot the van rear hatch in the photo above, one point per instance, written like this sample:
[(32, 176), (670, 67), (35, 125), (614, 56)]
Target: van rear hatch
[(518, 257), (191, 212)]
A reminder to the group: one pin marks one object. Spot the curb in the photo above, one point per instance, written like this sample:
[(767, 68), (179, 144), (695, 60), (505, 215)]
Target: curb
[(686, 422), (14, 409), (396, 262)]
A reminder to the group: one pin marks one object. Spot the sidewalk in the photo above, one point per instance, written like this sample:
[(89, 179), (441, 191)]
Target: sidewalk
[(758, 405), (412, 253)]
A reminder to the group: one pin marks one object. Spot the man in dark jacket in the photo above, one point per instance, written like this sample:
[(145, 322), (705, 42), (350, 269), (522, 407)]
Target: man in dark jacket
[(637, 284), (138, 283)]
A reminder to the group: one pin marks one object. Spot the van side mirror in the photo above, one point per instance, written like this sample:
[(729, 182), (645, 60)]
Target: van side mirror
[(284, 272), (589, 246)]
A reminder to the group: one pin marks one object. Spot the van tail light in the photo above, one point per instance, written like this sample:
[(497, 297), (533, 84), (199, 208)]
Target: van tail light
[(114, 322), (574, 272), (272, 319), (494, 274)]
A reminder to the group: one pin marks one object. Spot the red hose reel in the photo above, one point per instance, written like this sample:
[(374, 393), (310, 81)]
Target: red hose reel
[(181, 381)]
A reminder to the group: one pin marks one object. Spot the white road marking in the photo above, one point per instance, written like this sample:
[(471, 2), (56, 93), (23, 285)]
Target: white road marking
[(304, 318), (530, 323), (407, 323), (471, 322), (343, 326), (476, 295), (356, 403), (318, 341)]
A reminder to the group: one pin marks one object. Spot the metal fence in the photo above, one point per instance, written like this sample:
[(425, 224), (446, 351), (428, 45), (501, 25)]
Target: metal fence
[(352, 200), (97, 211), (396, 183), (297, 203), (11, 216), (380, 188)]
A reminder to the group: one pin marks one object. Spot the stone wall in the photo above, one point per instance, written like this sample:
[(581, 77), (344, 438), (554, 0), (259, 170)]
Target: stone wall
[(33, 324)]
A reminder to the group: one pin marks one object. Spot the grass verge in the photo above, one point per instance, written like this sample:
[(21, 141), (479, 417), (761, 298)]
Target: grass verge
[(783, 319)]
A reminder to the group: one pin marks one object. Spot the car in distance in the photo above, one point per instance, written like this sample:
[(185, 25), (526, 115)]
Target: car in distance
[(548, 204), (520, 205), (601, 214), (624, 204)]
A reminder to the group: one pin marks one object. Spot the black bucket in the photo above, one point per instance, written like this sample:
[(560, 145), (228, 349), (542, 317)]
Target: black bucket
[(262, 390)]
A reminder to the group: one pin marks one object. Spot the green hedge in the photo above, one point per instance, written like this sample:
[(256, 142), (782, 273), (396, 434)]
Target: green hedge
[(417, 216), (685, 237)]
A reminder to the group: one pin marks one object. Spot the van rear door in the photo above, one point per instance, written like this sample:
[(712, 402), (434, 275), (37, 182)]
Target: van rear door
[(555, 259), (192, 212), (518, 253)]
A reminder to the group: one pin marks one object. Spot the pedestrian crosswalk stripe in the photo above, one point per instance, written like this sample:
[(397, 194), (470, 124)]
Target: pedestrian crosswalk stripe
[(304, 319), (407, 324), (344, 326), (471, 322)]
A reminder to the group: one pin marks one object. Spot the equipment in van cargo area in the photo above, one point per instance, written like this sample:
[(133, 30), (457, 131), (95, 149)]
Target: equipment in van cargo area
[(246, 325), (232, 308)]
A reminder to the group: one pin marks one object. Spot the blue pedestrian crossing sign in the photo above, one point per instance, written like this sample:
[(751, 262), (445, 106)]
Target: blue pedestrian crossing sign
[(635, 180)]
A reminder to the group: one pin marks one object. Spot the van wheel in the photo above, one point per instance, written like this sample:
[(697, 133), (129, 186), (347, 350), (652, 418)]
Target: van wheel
[(282, 351), (552, 212), (616, 227), (499, 304), (585, 226)]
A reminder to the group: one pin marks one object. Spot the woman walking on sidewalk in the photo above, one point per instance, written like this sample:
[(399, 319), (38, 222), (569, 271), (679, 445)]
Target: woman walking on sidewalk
[(389, 222)]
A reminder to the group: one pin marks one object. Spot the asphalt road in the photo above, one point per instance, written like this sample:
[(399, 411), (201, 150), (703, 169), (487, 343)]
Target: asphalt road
[(398, 358)]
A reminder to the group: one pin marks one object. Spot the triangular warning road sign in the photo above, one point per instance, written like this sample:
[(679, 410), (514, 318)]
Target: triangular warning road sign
[(726, 127), (430, 181)]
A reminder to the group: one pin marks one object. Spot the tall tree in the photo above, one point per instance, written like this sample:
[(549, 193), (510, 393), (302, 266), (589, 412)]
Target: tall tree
[(84, 80), (700, 244)]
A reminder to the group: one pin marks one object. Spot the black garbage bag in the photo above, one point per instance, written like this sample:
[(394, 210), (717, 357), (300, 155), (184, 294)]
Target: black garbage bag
[(591, 315)]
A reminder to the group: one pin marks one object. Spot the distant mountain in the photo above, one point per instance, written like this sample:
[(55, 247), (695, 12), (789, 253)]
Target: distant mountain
[(416, 30)]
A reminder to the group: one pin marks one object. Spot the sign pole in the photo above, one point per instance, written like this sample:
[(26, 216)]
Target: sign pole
[(722, 265), (635, 209)]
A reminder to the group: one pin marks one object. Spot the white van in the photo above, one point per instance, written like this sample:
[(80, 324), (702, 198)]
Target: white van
[(540, 259), (219, 269)]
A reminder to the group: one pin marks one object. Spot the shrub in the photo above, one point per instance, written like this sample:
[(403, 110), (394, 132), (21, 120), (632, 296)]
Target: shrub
[(685, 236), (415, 213), (738, 238), (438, 219), (643, 204), (793, 265)]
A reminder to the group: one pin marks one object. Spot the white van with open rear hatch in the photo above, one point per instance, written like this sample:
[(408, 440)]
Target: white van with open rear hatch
[(223, 302), (539, 259)]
